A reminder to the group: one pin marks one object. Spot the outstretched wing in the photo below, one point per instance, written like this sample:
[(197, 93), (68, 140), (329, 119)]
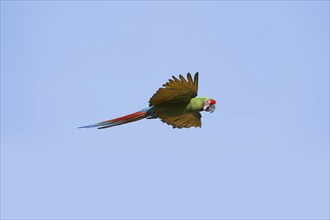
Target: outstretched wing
[(176, 90), (187, 120)]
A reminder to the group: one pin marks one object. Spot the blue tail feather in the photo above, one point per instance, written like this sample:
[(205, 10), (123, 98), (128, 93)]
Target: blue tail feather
[(121, 120)]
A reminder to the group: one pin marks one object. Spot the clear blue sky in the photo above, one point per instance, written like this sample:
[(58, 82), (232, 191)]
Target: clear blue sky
[(264, 153)]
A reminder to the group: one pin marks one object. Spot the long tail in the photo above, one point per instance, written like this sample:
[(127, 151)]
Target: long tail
[(121, 120)]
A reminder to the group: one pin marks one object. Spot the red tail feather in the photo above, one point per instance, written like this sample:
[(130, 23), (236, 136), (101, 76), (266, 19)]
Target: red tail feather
[(122, 120)]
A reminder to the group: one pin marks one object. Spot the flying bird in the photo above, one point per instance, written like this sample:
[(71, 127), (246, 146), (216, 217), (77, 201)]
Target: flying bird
[(175, 104)]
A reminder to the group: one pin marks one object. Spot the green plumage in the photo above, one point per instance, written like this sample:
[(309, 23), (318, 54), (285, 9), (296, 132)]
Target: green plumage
[(196, 104), (181, 114)]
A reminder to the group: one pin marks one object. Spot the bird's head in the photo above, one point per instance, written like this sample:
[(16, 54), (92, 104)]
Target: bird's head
[(209, 105)]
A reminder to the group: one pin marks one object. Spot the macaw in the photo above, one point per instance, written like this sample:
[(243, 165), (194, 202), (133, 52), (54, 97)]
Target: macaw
[(175, 104)]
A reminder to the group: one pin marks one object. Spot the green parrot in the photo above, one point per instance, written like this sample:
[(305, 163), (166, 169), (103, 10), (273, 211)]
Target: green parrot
[(175, 104)]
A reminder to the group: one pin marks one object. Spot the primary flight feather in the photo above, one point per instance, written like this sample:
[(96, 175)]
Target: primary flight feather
[(175, 104)]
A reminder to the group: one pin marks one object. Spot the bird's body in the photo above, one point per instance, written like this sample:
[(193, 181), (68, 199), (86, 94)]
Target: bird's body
[(175, 104)]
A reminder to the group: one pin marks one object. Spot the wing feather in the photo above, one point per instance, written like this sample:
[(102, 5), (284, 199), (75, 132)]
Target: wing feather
[(183, 80), (176, 90), (187, 120), (196, 80)]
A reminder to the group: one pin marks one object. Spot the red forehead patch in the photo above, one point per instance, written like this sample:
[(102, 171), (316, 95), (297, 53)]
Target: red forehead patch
[(212, 102)]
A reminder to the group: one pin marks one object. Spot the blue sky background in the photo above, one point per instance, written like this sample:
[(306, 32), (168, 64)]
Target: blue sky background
[(264, 153)]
